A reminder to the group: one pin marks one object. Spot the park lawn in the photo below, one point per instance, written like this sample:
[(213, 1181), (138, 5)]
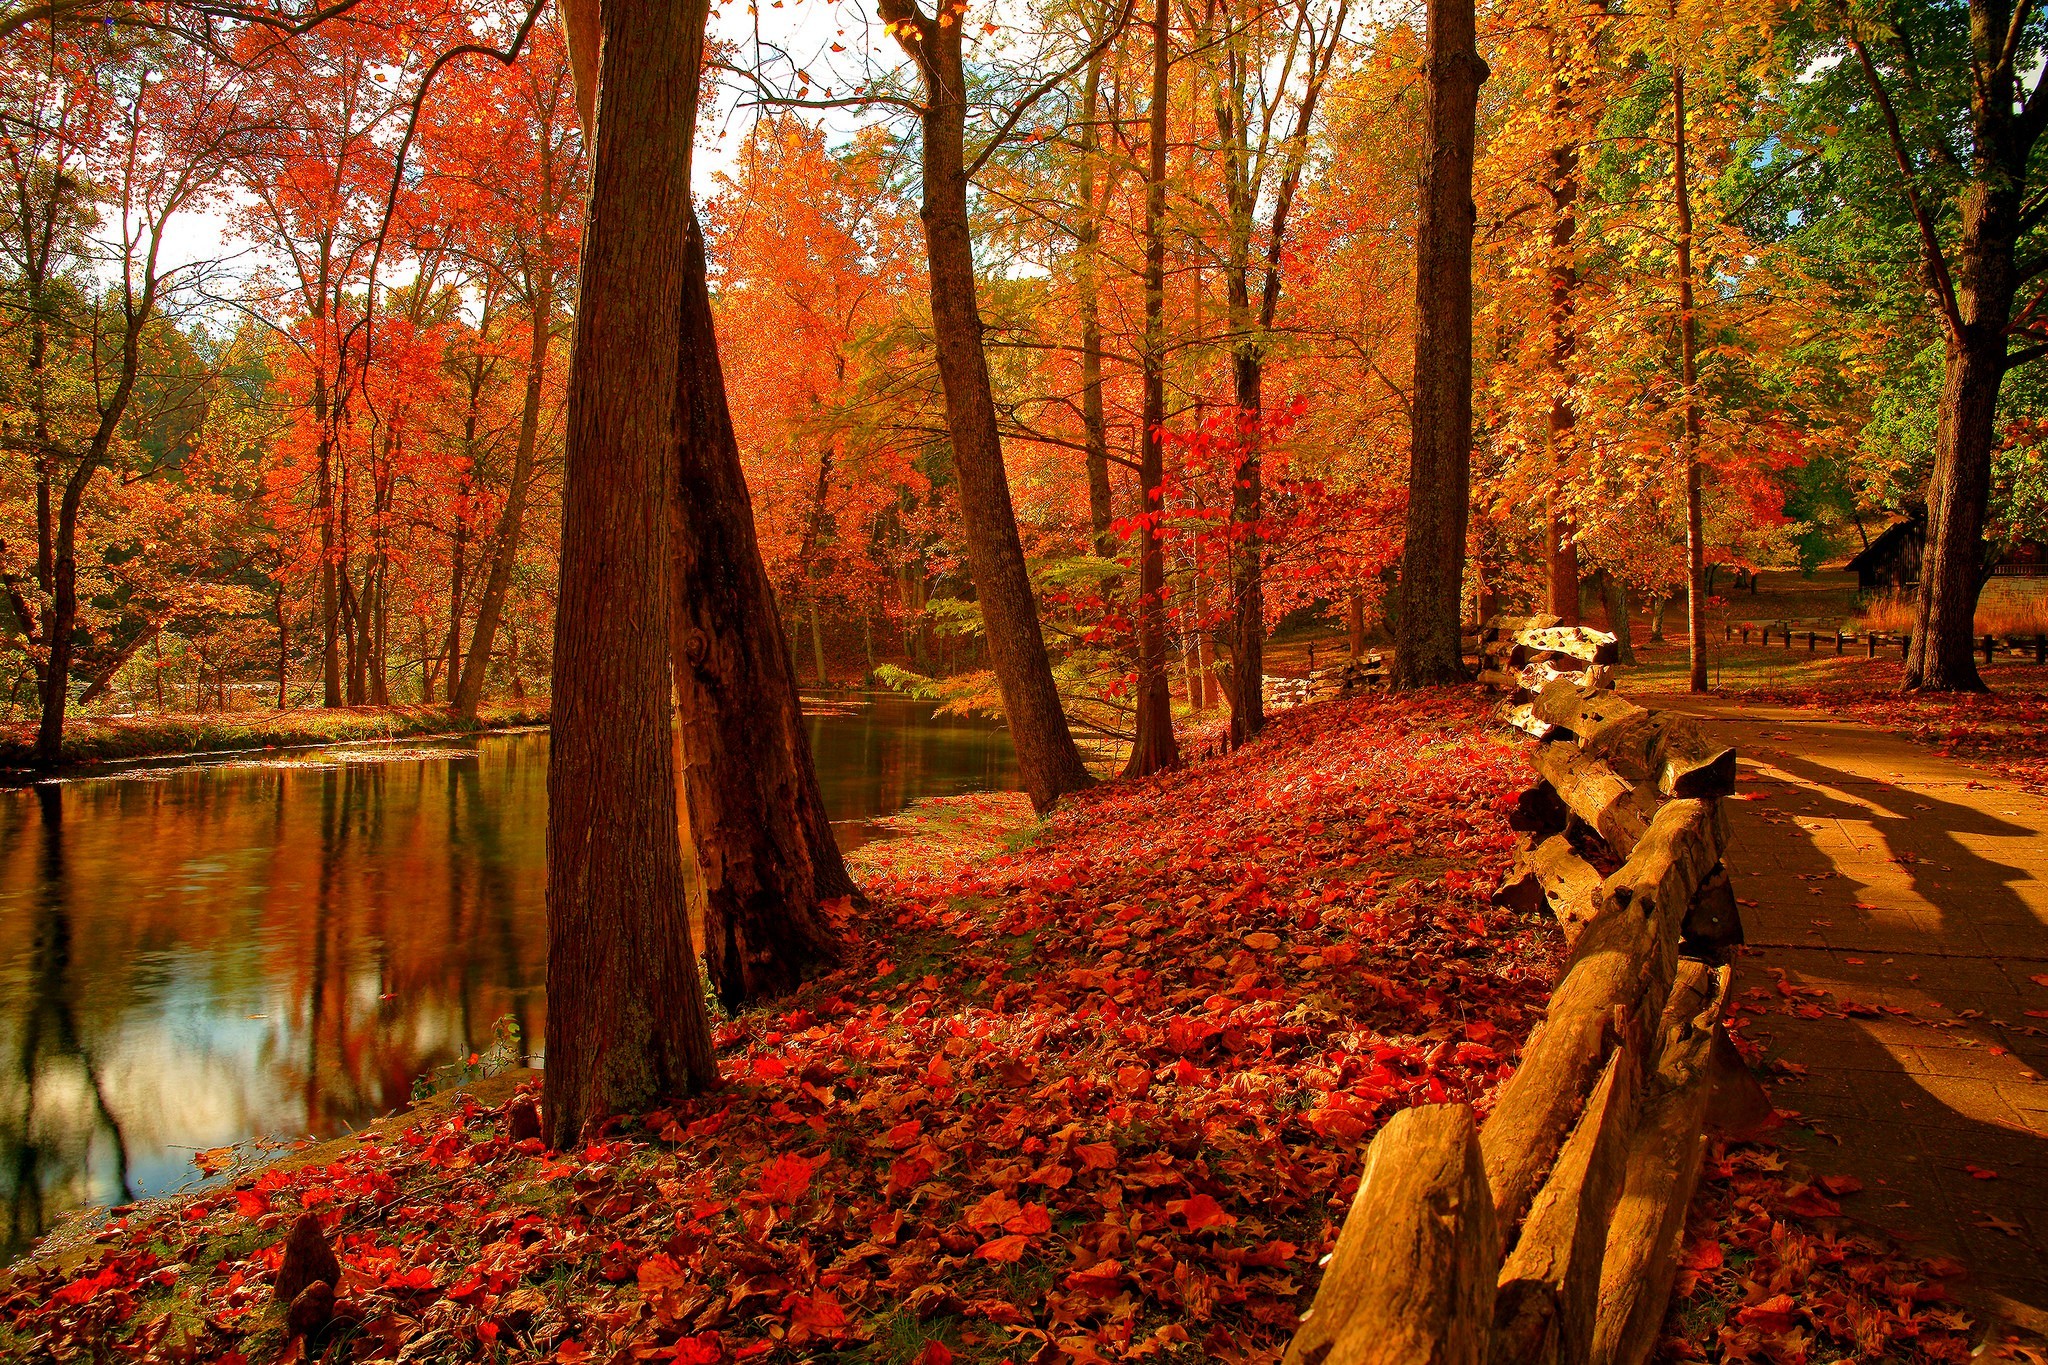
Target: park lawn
[(1092, 1088), (106, 739)]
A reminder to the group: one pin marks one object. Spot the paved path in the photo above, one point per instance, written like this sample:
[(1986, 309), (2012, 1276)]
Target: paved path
[(1913, 890)]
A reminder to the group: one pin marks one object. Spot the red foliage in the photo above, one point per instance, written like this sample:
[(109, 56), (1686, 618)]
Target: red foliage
[(1103, 1097)]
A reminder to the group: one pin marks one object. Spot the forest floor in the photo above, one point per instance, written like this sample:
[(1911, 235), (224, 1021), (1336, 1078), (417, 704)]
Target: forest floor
[(1090, 1089), (109, 739)]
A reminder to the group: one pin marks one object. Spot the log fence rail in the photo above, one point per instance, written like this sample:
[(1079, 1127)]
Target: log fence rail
[(1548, 1233)]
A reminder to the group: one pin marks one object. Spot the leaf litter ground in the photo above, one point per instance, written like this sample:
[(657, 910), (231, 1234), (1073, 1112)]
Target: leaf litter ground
[(1102, 1097)]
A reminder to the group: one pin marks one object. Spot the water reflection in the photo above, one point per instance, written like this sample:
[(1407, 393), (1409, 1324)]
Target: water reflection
[(195, 955)]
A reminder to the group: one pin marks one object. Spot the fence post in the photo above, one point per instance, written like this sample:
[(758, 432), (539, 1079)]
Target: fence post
[(1905, 645), (1870, 644), (1990, 648), (1838, 640), (2041, 649)]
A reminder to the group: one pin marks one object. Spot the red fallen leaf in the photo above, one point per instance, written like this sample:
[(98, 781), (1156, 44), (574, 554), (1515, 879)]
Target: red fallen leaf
[(1775, 1314), (1840, 1184), (419, 1277), (784, 1180), (706, 1349), (1808, 1202), (252, 1203), (992, 1211), (935, 1353), (1010, 1248), (615, 1263), (84, 1291), (1102, 1280), (1030, 1220), (1979, 1173), (903, 1134), (660, 1272), (1096, 1156), (1703, 1256), (1200, 1212), (470, 1287), (819, 1315), (906, 1173), (1336, 1124), (998, 1311)]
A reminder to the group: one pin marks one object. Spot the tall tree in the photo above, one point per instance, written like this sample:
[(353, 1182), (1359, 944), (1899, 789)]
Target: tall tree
[(1253, 164), (1970, 69), (1047, 760), (765, 855), (1426, 648), (112, 141), (1689, 377), (626, 1017), (1154, 747), (526, 194)]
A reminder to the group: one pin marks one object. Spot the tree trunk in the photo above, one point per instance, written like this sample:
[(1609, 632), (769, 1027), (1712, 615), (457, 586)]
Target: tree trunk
[(764, 846), (1615, 594), (284, 642), (1426, 649), (1942, 656), (1155, 748), (1047, 759), (1101, 507), (1564, 344), (626, 1018), (469, 691), (1688, 353)]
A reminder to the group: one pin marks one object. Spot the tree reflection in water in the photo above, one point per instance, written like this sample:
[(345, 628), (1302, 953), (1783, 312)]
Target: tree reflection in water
[(193, 956)]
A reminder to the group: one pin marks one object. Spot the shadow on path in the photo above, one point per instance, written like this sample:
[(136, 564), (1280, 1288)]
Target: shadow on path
[(1896, 905)]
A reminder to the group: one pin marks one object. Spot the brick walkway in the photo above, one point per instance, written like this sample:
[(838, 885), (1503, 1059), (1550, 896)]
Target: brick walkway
[(1913, 890)]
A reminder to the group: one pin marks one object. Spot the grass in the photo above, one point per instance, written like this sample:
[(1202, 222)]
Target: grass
[(2007, 608), (103, 739)]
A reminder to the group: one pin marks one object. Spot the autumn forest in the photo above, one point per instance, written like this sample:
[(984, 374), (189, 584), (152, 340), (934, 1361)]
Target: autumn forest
[(1276, 427)]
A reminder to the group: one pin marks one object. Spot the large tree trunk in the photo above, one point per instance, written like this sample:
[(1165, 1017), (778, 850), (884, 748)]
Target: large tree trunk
[(1426, 650), (1688, 355), (626, 1018), (1154, 747), (1047, 759), (467, 693), (1942, 656), (765, 853)]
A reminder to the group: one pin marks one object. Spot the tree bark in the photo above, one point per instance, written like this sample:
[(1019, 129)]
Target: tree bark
[(626, 1018), (1563, 595), (1101, 505), (1047, 760), (1689, 375), (1155, 749), (1615, 594), (1426, 649), (766, 857), (1942, 656)]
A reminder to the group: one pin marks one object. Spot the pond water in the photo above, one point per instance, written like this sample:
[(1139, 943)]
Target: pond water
[(197, 954)]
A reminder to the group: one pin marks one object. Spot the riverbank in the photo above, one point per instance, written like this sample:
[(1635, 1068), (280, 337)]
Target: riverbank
[(1095, 1088), (107, 739)]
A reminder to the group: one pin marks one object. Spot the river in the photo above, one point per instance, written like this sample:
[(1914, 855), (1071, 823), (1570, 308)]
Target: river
[(196, 954)]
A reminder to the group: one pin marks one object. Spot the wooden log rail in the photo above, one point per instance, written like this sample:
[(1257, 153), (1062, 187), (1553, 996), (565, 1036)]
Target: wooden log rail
[(1549, 1233)]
